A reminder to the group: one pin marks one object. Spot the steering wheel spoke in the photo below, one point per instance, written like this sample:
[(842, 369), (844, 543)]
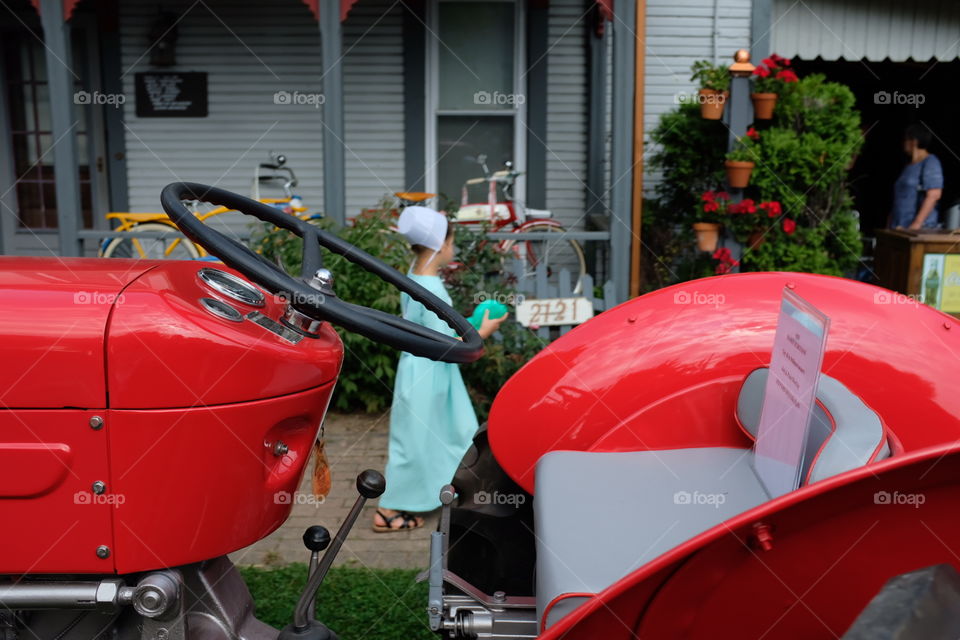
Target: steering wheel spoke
[(377, 325), (312, 257)]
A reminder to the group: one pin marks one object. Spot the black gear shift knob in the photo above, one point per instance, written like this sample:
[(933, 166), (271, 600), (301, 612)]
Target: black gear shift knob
[(371, 484), (316, 538)]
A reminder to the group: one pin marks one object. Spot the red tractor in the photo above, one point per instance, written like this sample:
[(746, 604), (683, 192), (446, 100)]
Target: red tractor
[(152, 412)]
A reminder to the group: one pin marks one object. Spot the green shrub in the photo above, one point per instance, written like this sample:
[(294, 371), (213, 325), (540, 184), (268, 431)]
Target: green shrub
[(386, 604), (801, 161), (688, 153)]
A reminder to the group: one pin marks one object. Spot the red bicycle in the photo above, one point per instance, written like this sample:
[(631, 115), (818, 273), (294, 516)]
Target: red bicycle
[(502, 212)]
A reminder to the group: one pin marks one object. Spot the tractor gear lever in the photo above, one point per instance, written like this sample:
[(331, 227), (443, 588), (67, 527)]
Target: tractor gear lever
[(315, 539), (370, 484)]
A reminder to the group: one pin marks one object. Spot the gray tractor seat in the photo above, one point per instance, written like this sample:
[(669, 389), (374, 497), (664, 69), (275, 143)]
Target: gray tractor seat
[(601, 515), (844, 434)]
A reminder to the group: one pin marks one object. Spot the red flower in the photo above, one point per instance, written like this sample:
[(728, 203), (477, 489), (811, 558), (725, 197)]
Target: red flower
[(787, 76), (744, 206), (771, 62), (722, 254), (753, 134), (789, 226), (780, 60), (723, 195), (710, 206), (761, 71), (772, 208), (707, 196), (722, 268)]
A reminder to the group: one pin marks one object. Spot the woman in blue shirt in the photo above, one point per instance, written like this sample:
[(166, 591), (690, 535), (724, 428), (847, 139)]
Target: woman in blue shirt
[(432, 422), (917, 191)]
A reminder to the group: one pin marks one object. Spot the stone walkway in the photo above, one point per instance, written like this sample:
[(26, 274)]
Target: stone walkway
[(354, 442)]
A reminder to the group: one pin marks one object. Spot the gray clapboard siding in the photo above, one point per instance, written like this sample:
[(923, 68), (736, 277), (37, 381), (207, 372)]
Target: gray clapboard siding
[(373, 102), (679, 32), (567, 73), (245, 48), (261, 50)]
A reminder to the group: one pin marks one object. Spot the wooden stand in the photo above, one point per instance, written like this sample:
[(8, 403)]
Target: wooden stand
[(898, 257)]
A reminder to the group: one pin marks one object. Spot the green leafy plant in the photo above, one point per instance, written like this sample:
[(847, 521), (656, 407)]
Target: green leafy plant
[(710, 76), (801, 163), (743, 151), (688, 151)]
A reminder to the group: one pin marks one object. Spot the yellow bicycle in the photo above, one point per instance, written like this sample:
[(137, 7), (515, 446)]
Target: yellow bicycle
[(177, 247)]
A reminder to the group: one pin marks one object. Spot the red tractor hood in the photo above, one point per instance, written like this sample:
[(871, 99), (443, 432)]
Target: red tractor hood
[(53, 321), (128, 334)]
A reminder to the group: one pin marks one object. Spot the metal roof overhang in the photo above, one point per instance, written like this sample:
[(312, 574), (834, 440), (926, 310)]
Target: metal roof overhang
[(873, 30)]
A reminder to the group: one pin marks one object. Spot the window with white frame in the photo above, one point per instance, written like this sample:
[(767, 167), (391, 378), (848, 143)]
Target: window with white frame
[(475, 104)]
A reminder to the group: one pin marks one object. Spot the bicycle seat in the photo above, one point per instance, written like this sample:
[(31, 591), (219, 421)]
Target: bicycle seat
[(414, 196)]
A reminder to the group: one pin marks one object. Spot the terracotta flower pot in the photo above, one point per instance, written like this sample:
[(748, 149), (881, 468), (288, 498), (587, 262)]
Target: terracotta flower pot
[(738, 173), (755, 239), (708, 235), (711, 103), (763, 104)]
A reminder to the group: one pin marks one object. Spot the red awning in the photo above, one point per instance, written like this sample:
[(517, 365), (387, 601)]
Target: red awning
[(345, 5)]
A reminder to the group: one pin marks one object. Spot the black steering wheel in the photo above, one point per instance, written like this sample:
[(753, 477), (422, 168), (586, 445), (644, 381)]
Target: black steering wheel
[(376, 325)]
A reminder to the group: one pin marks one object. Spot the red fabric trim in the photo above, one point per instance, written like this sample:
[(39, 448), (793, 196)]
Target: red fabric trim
[(606, 9), (546, 610), (833, 430), (345, 6), (68, 7)]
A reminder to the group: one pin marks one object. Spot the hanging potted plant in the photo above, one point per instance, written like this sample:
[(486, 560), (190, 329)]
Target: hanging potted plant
[(707, 228), (739, 164), (757, 235), (768, 79), (714, 81)]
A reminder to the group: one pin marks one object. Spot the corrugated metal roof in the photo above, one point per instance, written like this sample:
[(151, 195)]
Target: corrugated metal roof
[(875, 30)]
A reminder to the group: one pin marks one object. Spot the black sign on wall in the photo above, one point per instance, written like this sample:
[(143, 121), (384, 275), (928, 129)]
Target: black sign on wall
[(171, 94)]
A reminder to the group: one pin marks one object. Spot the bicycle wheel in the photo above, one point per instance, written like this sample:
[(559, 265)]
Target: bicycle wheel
[(173, 248), (555, 254)]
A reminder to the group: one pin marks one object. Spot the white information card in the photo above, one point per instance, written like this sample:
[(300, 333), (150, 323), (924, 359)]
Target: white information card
[(790, 394)]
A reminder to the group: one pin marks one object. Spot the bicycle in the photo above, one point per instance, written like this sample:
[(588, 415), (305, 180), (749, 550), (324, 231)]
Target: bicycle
[(505, 212), (179, 248)]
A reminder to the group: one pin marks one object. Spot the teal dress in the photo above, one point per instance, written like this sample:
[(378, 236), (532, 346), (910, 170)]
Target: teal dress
[(432, 421)]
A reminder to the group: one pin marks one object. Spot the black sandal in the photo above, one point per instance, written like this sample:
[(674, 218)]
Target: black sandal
[(409, 522)]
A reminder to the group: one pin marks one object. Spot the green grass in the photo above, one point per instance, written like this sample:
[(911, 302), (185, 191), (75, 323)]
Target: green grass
[(356, 603)]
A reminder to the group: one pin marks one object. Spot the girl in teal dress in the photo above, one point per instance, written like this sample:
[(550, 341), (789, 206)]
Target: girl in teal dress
[(432, 421)]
